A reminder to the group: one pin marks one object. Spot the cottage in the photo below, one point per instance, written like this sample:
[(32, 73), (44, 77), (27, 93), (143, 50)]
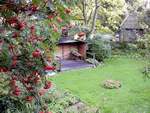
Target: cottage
[(130, 29), (65, 44)]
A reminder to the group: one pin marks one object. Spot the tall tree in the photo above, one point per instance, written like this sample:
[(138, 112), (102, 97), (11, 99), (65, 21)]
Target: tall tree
[(101, 15), (110, 14), (85, 13), (94, 19)]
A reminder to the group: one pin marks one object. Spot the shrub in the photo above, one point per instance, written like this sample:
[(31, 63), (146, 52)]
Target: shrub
[(9, 103), (92, 61), (100, 47), (132, 46), (113, 56), (136, 56), (116, 51), (113, 39), (145, 70), (143, 52), (121, 45), (124, 48), (58, 100), (141, 45)]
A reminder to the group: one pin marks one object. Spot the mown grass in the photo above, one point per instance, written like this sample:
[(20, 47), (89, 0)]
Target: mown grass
[(133, 96)]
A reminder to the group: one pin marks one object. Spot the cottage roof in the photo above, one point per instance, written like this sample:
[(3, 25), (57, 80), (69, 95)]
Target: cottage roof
[(63, 39), (68, 40), (131, 22)]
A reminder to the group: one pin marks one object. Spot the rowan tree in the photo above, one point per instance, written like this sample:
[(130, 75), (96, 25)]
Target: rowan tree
[(28, 33)]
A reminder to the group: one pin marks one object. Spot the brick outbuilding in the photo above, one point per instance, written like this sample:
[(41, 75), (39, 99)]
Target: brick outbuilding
[(65, 44)]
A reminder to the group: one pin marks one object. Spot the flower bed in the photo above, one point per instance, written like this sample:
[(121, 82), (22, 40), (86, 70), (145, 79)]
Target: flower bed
[(110, 84)]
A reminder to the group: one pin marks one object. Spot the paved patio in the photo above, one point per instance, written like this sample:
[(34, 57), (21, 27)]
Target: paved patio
[(68, 65)]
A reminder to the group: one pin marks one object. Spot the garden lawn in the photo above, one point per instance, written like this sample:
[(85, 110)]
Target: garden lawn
[(133, 96)]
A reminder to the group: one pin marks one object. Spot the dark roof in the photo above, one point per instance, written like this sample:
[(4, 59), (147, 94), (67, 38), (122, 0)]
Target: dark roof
[(63, 40), (81, 41), (131, 22)]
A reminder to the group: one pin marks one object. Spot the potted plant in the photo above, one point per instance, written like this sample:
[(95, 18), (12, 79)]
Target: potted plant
[(75, 51)]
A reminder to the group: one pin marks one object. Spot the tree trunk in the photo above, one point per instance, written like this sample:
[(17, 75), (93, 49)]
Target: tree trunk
[(94, 19)]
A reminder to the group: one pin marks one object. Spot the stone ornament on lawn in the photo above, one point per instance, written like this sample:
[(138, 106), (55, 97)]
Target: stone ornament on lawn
[(110, 84)]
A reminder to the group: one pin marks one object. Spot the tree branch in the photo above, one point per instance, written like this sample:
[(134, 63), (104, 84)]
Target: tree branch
[(88, 21), (84, 12), (94, 19), (78, 19)]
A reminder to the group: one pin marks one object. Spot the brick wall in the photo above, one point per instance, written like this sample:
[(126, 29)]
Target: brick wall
[(82, 50), (64, 50), (59, 51)]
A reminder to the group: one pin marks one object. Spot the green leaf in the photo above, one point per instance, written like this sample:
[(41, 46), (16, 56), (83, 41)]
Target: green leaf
[(36, 1)]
